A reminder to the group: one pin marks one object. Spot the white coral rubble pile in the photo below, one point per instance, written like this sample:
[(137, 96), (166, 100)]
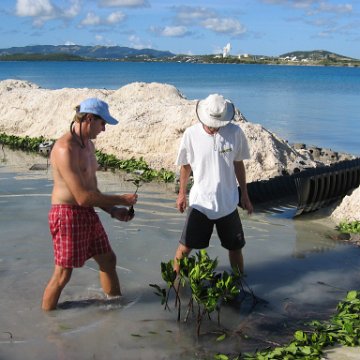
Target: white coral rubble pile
[(152, 118), (349, 208)]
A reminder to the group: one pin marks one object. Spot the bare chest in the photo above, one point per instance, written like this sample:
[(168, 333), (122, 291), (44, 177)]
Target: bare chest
[(87, 164)]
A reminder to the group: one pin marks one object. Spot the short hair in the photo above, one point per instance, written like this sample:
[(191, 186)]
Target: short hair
[(78, 117)]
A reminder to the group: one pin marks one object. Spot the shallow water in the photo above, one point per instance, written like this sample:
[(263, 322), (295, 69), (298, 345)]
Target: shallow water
[(292, 264)]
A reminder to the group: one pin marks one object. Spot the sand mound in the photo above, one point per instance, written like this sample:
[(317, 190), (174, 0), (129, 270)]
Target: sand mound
[(152, 117), (11, 84), (349, 209)]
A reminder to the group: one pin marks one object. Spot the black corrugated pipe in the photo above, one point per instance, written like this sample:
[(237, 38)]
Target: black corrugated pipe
[(313, 188)]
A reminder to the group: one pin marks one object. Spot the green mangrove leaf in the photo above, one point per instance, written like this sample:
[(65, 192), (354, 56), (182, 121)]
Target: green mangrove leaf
[(221, 337)]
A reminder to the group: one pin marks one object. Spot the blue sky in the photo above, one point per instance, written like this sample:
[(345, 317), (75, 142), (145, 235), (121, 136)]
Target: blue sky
[(259, 27)]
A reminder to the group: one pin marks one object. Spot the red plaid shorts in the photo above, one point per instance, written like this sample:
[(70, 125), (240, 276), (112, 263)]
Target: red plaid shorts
[(77, 235)]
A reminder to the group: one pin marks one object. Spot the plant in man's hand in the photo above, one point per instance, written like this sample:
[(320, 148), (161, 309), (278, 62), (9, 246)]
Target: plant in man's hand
[(137, 182)]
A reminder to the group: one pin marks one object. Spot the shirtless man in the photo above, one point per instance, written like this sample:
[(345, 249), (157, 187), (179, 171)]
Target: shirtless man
[(75, 227)]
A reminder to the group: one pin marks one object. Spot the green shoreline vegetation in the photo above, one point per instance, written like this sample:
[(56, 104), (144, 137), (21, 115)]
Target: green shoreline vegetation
[(41, 57), (106, 161), (343, 328), (298, 58)]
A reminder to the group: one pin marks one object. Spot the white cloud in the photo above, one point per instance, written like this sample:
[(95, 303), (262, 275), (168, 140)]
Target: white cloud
[(137, 43), (208, 19), (321, 22), (315, 6), (34, 8), (101, 40), (92, 19), (294, 3), (174, 31), (192, 15), (74, 9), (229, 26), (302, 4), (337, 9), (115, 17), (324, 34), (330, 16), (43, 10), (124, 3), (170, 31)]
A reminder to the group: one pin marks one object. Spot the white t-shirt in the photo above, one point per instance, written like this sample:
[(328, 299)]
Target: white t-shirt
[(211, 158)]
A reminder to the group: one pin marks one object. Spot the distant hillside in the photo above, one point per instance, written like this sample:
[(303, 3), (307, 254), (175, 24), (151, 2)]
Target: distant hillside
[(94, 52), (315, 55), (40, 57), (119, 53)]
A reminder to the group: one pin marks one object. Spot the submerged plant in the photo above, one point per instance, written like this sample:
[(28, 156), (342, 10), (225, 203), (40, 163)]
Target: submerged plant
[(208, 289)]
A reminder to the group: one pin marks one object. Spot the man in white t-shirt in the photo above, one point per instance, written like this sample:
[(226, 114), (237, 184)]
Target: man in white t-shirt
[(214, 150)]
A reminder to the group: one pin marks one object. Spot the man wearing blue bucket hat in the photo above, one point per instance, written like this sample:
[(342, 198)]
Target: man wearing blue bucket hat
[(74, 225)]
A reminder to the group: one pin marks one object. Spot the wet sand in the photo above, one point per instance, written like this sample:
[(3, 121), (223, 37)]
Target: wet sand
[(293, 264)]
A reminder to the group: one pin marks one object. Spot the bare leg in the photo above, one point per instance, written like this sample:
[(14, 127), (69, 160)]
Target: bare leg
[(236, 260), (108, 276), (59, 279), (181, 251)]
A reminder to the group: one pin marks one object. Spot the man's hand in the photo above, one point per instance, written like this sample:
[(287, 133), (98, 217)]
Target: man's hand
[(181, 202), (121, 214), (129, 199), (246, 204)]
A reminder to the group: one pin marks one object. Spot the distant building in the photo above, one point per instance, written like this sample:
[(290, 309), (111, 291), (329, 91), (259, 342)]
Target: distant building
[(226, 50)]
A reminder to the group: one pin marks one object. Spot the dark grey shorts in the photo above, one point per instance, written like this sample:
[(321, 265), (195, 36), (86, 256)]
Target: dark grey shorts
[(198, 229)]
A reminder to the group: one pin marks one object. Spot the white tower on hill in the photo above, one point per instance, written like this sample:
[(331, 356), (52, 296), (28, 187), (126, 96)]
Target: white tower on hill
[(226, 50)]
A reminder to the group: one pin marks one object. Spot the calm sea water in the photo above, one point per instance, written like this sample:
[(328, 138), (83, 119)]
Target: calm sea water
[(313, 105)]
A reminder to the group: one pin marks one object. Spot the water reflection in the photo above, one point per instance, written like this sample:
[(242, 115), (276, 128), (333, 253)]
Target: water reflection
[(292, 264)]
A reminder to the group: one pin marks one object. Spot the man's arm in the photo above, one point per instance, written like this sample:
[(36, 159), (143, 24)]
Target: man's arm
[(185, 172), (241, 178)]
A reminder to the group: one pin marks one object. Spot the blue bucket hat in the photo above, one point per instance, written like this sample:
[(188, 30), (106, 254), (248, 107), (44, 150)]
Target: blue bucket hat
[(97, 107)]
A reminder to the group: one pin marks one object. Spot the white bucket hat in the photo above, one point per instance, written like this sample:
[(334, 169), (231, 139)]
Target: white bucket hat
[(215, 111)]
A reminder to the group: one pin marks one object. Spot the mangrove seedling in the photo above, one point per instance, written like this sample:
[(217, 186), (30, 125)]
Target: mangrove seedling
[(208, 288), (137, 182)]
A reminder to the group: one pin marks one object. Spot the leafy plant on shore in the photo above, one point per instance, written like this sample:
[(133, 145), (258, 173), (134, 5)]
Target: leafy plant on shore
[(133, 165), (343, 329), (208, 288), (106, 161), (352, 227), (21, 143)]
